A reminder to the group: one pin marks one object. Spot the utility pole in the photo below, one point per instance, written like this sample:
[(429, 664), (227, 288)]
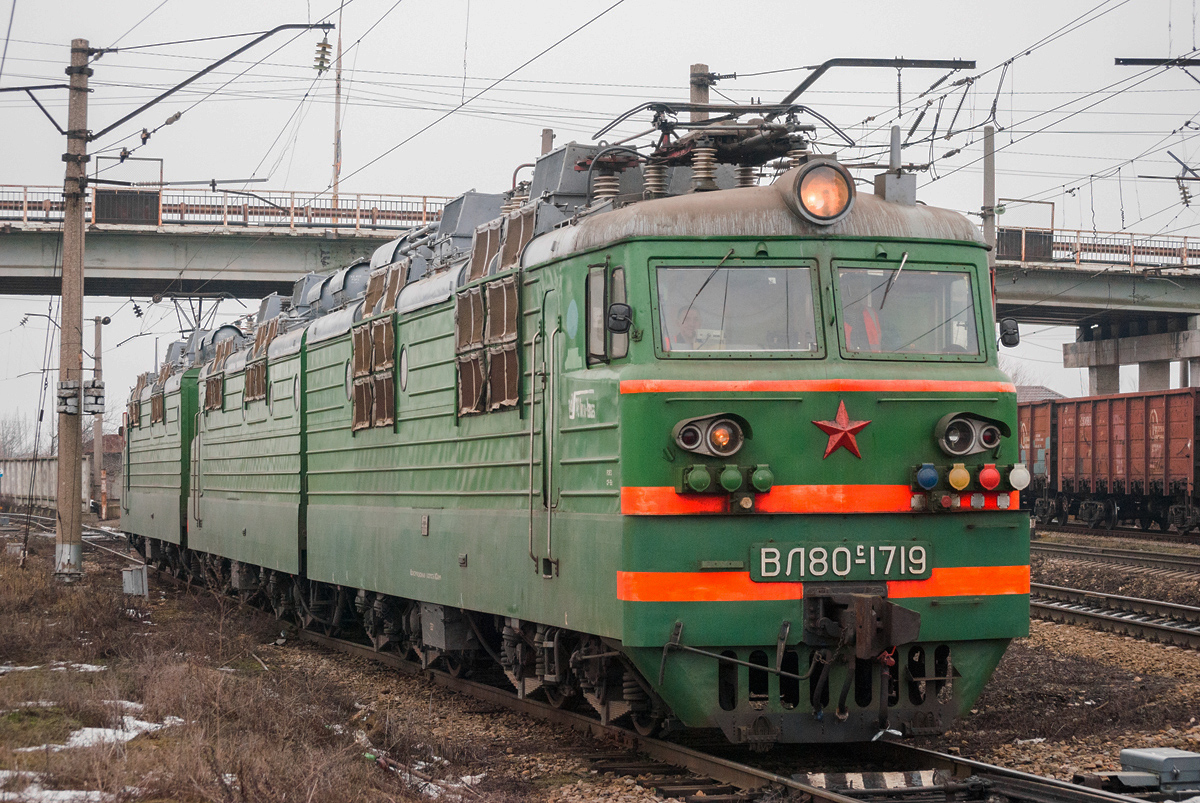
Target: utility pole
[(337, 118), (68, 546), (699, 80), (68, 540), (98, 419), (989, 199)]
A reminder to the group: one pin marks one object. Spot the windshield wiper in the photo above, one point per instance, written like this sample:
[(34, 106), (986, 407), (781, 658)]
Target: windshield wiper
[(892, 280), (709, 279)]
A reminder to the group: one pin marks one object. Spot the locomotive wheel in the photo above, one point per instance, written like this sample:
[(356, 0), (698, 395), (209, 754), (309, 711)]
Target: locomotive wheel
[(646, 723), (456, 665), (558, 698)]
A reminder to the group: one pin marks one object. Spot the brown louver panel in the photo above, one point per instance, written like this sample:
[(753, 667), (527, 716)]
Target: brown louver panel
[(470, 384), (364, 403), (517, 235), (504, 377), (214, 392), (501, 311), (468, 320), (375, 288), (484, 246), (397, 275), (385, 399), (363, 357), (256, 381), (383, 339)]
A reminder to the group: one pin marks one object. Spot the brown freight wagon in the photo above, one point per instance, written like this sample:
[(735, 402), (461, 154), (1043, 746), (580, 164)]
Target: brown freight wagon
[(1034, 440), (1122, 458)]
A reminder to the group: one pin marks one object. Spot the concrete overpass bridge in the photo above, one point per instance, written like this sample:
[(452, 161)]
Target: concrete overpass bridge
[(142, 242), (1134, 298)]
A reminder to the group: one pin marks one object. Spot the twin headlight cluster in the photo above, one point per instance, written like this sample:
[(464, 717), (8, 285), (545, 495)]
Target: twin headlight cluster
[(961, 434), (715, 436)]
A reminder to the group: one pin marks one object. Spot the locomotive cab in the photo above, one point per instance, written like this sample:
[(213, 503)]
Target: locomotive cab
[(818, 475)]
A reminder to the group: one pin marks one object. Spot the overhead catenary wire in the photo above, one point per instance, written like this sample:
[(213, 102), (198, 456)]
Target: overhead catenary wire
[(495, 83), (137, 24), (1140, 78)]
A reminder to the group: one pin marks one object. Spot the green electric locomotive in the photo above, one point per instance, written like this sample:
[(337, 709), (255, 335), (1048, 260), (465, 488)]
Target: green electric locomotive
[(654, 438)]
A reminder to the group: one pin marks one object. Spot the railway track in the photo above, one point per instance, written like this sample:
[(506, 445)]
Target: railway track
[(1182, 564), (1134, 533), (884, 770), (1146, 619), (699, 773)]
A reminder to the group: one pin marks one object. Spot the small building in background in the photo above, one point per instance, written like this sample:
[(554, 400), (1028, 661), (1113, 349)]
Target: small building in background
[(1036, 393)]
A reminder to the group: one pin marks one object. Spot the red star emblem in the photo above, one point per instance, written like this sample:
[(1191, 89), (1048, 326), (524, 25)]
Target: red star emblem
[(841, 431)]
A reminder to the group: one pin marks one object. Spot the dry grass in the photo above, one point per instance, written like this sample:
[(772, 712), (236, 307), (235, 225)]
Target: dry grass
[(248, 735)]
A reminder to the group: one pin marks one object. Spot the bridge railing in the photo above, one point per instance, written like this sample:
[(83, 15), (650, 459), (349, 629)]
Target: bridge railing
[(1080, 246), (171, 206)]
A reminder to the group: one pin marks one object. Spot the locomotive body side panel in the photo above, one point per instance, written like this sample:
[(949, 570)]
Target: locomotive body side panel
[(437, 506), (246, 477), (156, 469)]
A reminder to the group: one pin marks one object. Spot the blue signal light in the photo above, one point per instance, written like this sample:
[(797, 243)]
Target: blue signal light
[(927, 476)]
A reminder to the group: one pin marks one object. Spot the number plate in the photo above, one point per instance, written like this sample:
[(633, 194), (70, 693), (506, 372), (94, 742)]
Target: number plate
[(792, 562)]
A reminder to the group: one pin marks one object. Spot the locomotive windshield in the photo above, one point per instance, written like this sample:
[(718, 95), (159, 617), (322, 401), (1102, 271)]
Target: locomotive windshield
[(736, 309), (897, 311)]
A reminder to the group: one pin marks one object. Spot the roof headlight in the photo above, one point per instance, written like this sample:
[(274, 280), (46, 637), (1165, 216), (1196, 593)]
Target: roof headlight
[(824, 190)]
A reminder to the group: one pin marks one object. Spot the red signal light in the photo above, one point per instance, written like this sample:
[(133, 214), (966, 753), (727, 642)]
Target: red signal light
[(989, 477)]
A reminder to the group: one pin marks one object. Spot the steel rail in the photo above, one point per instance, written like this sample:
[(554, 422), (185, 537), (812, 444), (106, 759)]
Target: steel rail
[(1147, 619), (1013, 784), (1136, 534), (1125, 557)]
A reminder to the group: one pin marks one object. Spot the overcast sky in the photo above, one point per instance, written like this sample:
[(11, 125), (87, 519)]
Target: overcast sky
[(1076, 129)]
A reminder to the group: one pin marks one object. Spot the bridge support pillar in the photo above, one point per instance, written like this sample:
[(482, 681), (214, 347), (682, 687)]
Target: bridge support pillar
[(1189, 374), (1104, 380), (1150, 345), (1154, 375)]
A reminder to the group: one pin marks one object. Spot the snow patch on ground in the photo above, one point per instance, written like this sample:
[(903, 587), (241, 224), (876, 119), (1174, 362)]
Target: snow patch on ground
[(130, 728), (57, 666), (34, 793)]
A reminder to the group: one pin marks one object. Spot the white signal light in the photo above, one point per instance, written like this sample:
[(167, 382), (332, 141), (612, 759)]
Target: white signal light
[(1018, 477)]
